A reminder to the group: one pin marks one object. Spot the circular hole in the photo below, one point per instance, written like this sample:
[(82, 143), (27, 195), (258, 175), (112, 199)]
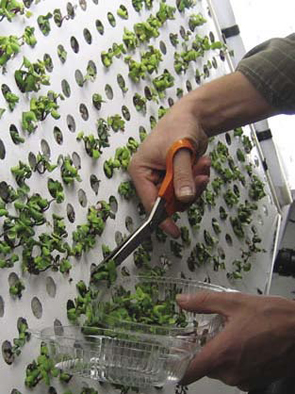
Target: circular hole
[(5, 191), (58, 327), (118, 238), (32, 160), (79, 78), (95, 2), (91, 70), (15, 391), (82, 198), (84, 112), (36, 307), (99, 27), (214, 62), (211, 36), (260, 220), (1, 307), (182, 32), (70, 213), (153, 121), (62, 53), (126, 113), (71, 10), (170, 101), (142, 133), (5, 89), (57, 133), (94, 183), (87, 36), (236, 190), (222, 55), (256, 161), (71, 123), (111, 19), (163, 48), (173, 39), (197, 77), (74, 44), (66, 89), (148, 93), (141, 210), (2, 150), (121, 83), (109, 92), (113, 204), (129, 224), (206, 71), (83, 4), (14, 134), (48, 62), (52, 390), (188, 86), (45, 148), (7, 352), (50, 287), (221, 252), (12, 279), (228, 138), (76, 160), (228, 239)]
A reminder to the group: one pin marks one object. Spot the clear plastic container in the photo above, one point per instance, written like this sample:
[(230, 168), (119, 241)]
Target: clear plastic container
[(130, 353)]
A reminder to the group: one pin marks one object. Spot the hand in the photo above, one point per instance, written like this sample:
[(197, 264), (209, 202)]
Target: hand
[(148, 164), (257, 345)]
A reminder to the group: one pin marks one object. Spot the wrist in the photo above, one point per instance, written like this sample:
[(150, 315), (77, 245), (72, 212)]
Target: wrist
[(225, 103)]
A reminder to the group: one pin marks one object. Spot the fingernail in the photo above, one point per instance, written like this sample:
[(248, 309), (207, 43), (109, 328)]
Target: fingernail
[(183, 298), (186, 191)]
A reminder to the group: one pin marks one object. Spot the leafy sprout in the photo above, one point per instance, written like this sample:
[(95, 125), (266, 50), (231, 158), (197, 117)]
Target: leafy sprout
[(10, 8), (11, 98), (30, 80), (29, 36), (44, 23), (9, 47), (69, 172), (122, 12)]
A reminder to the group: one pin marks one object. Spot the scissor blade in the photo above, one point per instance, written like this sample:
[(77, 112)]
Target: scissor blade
[(129, 245)]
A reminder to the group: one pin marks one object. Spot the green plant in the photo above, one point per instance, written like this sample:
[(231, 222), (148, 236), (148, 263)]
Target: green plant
[(97, 100), (126, 190), (9, 47), (23, 337), (163, 82), (116, 122), (11, 98), (256, 188), (92, 144), (196, 20), (10, 8), (139, 103), (44, 23), (122, 12), (30, 80), (29, 36), (17, 288), (69, 172)]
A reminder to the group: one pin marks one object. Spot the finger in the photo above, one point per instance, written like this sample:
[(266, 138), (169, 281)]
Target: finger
[(202, 167), (210, 302), (207, 360), (201, 183), (170, 228), (184, 184)]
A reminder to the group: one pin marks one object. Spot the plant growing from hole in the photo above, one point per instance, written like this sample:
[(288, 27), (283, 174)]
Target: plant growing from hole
[(92, 144), (216, 226), (122, 12), (55, 189), (130, 39), (17, 288), (29, 36), (103, 132), (196, 20), (10, 8), (97, 100), (162, 111), (44, 23), (230, 198), (9, 47), (30, 80), (11, 98), (62, 53), (58, 18), (116, 122), (115, 51), (69, 172), (163, 82), (127, 190), (139, 102), (90, 73), (21, 172), (256, 188), (183, 4), (23, 336), (43, 164)]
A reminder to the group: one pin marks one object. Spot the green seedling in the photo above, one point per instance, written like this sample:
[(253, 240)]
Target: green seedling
[(103, 132), (92, 145), (183, 4), (162, 111), (126, 190), (10, 8), (23, 336), (30, 80), (147, 30), (256, 188), (44, 23), (210, 241), (174, 39), (130, 39), (165, 12), (122, 12), (58, 18), (69, 172), (21, 172), (195, 213), (116, 122), (11, 98), (185, 236), (29, 36), (16, 290), (230, 198), (139, 103), (62, 53), (196, 20), (216, 226), (97, 100), (9, 47), (43, 164), (163, 82)]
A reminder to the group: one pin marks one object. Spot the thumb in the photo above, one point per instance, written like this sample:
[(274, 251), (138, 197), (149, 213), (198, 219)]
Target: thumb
[(184, 183)]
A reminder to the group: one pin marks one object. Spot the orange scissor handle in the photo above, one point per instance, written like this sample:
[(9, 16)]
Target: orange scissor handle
[(167, 188)]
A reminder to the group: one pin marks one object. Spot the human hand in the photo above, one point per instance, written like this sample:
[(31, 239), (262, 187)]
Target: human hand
[(149, 162), (256, 346)]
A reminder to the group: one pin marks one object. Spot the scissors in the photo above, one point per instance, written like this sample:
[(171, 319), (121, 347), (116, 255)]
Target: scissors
[(165, 205)]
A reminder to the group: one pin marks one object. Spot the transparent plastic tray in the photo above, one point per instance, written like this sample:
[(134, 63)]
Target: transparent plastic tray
[(132, 353)]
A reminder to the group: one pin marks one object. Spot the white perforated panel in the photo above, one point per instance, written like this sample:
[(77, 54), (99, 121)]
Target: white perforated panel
[(48, 292)]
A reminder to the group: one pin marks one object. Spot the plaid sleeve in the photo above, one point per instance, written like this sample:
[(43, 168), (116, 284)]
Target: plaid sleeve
[(270, 67)]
